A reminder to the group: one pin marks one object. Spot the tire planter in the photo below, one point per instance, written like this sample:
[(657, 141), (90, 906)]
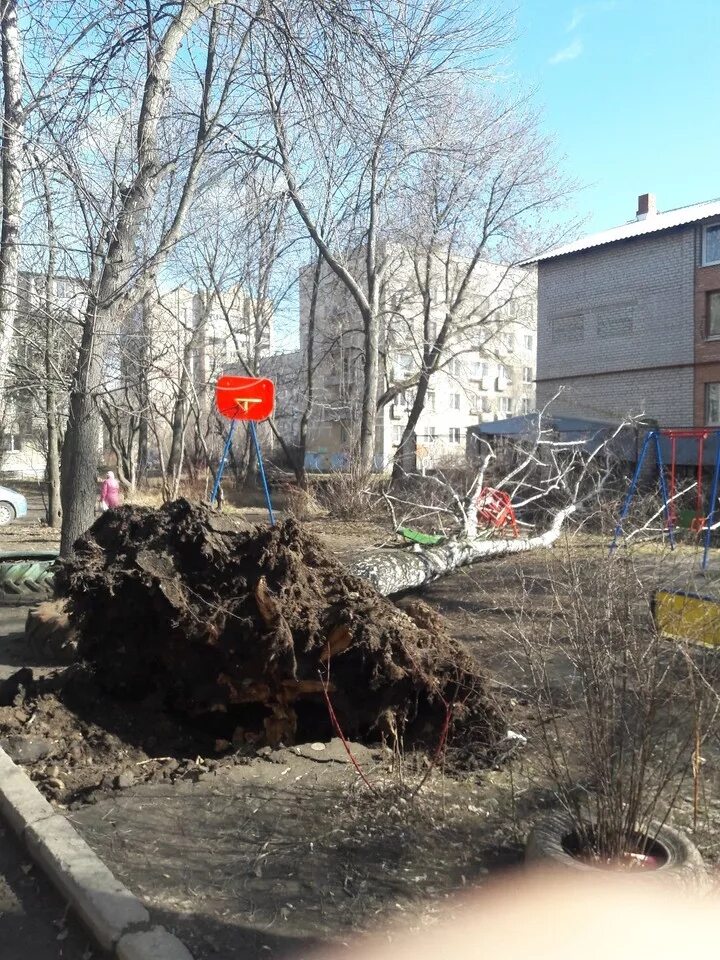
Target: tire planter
[(550, 838), (26, 578)]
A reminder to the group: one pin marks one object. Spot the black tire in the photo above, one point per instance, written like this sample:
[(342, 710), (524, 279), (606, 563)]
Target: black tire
[(684, 860), (26, 580), (7, 513)]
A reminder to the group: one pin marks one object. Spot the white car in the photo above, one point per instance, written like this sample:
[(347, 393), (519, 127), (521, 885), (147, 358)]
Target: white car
[(12, 505)]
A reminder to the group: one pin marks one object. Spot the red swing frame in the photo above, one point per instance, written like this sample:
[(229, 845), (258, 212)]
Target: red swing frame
[(694, 433)]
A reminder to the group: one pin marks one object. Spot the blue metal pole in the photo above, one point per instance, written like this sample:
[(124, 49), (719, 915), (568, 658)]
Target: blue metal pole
[(713, 502), (253, 434), (663, 489), (631, 489), (223, 459)]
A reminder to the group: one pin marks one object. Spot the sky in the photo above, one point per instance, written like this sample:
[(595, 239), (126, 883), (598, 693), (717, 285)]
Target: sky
[(630, 90)]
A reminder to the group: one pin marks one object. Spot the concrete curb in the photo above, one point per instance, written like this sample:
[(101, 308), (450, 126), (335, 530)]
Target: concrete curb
[(116, 918)]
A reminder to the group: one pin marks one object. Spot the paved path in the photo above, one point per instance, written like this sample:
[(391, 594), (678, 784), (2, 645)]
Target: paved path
[(33, 922), (32, 916)]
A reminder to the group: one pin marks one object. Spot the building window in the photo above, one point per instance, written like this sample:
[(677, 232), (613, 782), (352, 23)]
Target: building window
[(454, 401), (527, 375), (711, 245), (525, 405), (430, 400), (430, 433), (12, 443), (454, 434), (505, 405), (528, 341), (712, 404), (713, 314), (509, 340), (504, 373), (455, 368), (397, 435), (432, 331), (402, 365), (486, 405)]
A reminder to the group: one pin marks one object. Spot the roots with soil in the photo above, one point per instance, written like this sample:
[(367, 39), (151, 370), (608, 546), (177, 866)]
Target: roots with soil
[(260, 636)]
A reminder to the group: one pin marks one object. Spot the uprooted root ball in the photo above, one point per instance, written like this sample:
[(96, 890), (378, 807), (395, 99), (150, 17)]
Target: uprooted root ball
[(260, 635)]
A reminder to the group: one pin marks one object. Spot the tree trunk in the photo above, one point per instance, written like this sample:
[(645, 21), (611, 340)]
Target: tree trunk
[(78, 486), (115, 295), (394, 571), (300, 471), (54, 511), (12, 167), (52, 416)]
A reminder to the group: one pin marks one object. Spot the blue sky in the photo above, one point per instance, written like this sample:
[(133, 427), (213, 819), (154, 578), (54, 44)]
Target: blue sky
[(631, 91)]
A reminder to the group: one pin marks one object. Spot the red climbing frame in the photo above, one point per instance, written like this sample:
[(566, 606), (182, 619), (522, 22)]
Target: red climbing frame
[(494, 509), (693, 433)]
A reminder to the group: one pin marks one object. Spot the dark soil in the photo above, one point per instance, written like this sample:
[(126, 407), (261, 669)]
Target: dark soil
[(260, 636)]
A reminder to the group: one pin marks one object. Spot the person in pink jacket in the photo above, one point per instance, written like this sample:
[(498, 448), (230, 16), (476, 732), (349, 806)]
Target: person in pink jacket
[(110, 492)]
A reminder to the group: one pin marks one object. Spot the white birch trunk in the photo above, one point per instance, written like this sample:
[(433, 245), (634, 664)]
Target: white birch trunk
[(12, 168), (392, 571)]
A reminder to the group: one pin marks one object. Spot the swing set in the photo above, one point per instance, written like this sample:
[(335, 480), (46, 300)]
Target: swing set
[(698, 520)]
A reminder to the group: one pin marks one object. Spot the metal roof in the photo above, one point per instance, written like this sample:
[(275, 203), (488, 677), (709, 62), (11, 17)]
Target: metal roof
[(652, 223), (526, 425)]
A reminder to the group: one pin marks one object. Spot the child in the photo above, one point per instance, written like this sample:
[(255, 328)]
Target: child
[(110, 493)]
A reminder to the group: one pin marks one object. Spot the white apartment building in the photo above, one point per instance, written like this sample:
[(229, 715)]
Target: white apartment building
[(487, 368), (196, 335), (42, 313), (177, 345), (173, 351)]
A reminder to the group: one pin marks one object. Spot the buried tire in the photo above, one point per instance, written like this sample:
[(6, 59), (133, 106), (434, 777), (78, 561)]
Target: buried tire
[(26, 580), (551, 838)]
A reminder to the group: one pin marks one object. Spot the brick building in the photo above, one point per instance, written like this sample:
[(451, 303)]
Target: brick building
[(629, 319)]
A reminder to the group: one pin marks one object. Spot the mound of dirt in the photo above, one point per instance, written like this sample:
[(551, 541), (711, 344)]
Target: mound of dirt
[(259, 636)]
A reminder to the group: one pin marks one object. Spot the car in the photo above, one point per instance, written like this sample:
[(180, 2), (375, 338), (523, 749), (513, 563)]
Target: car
[(12, 505)]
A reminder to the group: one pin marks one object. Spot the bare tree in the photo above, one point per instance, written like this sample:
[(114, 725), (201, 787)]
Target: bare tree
[(475, 195), (555, 479), (120, 282), (360, 100), (11, 148)]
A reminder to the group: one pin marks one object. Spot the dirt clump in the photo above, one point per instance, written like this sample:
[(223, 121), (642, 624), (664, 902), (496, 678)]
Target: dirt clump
[(260, 636)]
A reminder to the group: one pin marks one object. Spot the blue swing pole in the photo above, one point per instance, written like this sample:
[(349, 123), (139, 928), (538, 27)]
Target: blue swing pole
[(713, 501), (253, 434), (223, 460), (663, 490), (632, 489)]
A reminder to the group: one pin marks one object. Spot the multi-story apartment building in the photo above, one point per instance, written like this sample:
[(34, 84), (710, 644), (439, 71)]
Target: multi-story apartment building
[(47, 320), (486, 372), (169, 356), (629, 319), (193, 336), (174, 347)]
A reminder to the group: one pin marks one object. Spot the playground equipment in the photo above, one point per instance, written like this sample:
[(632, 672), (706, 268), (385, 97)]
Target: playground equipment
[(698, 522), (250, 399), (495, 509)]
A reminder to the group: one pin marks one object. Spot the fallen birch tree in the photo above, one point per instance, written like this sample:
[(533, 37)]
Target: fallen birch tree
[(573, 473), (394, 571)]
